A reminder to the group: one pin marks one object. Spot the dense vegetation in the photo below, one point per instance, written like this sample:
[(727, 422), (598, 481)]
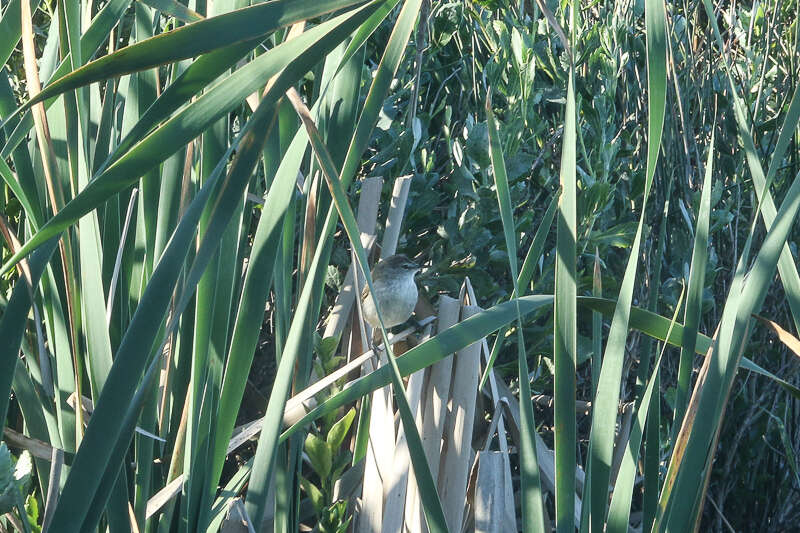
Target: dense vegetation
[(176, 222)]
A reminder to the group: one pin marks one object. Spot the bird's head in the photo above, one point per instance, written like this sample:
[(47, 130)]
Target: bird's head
[(397, 265)]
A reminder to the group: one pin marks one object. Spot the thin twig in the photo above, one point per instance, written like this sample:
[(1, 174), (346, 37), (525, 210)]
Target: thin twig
[(118, 261), (56, 462)]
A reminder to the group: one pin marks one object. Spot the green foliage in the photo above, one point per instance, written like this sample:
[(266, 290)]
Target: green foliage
[(9, 489), (328, 460), (16, 476), (32, 512)]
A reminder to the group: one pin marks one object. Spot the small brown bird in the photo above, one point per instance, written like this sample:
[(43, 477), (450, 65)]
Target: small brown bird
[(396, 291)]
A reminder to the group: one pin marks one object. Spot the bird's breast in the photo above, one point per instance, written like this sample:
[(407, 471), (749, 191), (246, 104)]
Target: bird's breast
[(397, 301)]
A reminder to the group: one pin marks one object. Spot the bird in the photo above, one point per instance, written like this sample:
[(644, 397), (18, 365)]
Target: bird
[(396, 291)]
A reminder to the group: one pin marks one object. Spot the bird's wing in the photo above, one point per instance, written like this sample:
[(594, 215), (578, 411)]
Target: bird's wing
[(364, 292)]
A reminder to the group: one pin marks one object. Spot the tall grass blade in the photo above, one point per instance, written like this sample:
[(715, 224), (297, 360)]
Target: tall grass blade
[(601, 440), (694, 298), (619, 511), (565, 328), (530, 485)]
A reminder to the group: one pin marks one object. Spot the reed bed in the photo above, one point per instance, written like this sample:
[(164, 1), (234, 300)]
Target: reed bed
[(195, 194)]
